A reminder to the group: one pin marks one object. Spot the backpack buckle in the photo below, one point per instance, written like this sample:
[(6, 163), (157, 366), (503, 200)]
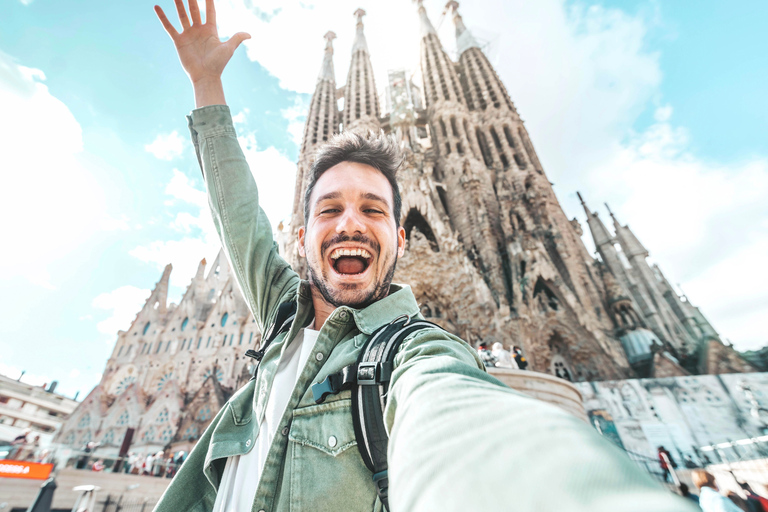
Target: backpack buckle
[(381, 481), (373, 373)]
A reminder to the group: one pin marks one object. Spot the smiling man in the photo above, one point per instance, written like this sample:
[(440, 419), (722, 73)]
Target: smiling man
[(458, 439)]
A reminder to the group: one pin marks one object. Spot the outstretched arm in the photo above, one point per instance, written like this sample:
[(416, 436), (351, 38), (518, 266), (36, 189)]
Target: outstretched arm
[(202, 54)]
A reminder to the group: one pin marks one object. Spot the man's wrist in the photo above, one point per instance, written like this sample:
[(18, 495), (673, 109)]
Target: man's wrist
[(208, 91)]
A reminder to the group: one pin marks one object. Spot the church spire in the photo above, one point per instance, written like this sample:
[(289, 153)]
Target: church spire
[(600, 233), (360, 43), (441, 83), (464, 38), (629, 242), (361, 103), (326, 71), (426, 25), (322, 124), (159, 297)]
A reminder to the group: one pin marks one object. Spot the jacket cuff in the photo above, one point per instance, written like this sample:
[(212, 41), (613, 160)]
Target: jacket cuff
[(208, 121)]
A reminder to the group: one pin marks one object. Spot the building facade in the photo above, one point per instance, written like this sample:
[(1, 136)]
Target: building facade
[(490, 255), (37, 408)]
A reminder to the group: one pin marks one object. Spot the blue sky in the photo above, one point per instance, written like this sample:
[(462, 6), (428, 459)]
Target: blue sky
[(656, 108)]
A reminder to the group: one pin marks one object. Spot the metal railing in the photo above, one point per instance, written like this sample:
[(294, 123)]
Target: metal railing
[(123, 504)]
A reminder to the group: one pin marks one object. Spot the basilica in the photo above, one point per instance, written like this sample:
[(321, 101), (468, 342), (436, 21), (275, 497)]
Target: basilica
[(491, 256)]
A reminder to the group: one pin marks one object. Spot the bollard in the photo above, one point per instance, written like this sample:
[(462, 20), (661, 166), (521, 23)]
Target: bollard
[(44, 497)]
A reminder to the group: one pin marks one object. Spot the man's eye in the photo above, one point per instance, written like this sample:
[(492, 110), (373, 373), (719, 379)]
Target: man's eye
[(330, 210), (372, 210)]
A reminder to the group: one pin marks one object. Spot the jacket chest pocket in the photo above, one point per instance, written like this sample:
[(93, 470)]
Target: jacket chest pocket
[(327, 472)]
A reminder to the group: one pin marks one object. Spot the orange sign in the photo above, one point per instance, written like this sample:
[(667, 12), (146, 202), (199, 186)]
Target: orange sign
[(21, 469)]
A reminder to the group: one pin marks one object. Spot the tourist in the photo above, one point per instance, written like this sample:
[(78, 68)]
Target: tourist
[(18, 444), (273, 447), (149, 461), (520, 360), (485, 355), (709, 499), (738, 501), (98, 465), (665, 461), (503, 357), (756, 502)]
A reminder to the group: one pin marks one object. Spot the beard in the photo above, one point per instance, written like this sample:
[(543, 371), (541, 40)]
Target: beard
[(341, 296)]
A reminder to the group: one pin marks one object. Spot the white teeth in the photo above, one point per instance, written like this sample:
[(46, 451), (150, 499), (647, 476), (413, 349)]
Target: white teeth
[(338, 253)]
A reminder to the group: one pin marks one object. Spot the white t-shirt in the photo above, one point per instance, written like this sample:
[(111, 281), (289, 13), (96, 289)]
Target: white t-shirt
[(243, 472)]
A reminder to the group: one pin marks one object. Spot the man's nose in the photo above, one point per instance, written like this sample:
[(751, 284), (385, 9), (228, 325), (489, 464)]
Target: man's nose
[(351, 221)]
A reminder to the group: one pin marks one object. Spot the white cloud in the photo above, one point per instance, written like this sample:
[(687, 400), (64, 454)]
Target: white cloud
[(239, 118), (49, 198), (296, 115), (167, 146), (29, 378), (122, 304), (275, 176)]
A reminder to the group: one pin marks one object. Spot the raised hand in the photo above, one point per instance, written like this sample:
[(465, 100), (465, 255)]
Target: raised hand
[(203, 56)]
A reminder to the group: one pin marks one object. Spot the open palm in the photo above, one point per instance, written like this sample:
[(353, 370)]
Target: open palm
[(203, 56)]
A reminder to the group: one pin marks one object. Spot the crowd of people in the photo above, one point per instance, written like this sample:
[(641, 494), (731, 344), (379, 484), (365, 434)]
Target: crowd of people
[(499, 357), (160, 464), (27, 448)]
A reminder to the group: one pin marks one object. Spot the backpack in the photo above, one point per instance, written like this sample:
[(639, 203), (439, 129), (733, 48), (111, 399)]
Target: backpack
[(368, 379)]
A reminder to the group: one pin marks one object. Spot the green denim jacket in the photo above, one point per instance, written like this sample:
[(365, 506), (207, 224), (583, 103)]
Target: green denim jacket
[(459, 439)]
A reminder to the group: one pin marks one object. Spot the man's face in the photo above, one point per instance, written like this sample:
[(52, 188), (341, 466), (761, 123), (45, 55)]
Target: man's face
[(351, 240)]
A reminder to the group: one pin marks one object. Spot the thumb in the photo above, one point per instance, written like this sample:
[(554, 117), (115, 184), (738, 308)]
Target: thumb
[(236, 39)]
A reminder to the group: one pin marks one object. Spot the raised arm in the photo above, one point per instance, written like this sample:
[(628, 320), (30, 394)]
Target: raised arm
[(202, 54), (263, 276)]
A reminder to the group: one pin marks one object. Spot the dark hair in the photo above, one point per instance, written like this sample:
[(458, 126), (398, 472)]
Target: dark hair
[(375, 149)]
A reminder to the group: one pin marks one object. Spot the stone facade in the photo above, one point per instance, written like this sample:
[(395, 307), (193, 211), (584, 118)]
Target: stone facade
[(687, 415), (490, 255)]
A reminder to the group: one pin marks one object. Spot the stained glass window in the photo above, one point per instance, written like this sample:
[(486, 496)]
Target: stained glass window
[(224, 319), (184, 323)]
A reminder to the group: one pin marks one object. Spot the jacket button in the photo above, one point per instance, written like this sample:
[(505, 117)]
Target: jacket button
[(332, 441), (285, 431), (319, 356), (248, 443), (343, 315)]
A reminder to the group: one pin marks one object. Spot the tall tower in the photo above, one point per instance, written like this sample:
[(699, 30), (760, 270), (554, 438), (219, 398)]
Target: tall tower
[(467, 186), (322, 124), (361, 103), (556, 292)]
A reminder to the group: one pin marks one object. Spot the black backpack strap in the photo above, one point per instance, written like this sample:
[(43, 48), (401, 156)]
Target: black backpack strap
[(369, 396), (286, 313)]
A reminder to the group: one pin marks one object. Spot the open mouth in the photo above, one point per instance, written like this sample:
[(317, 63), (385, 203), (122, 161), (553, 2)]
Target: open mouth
[(350, 261)]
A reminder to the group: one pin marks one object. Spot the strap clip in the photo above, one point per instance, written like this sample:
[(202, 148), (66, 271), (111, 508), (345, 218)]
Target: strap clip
[(381, 481), (373, 373)]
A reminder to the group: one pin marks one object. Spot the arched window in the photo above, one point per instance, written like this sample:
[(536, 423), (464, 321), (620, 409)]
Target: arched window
[(146, 328), (184, 323), (416, 220), (483, 143), (224, 319), (163, 416)]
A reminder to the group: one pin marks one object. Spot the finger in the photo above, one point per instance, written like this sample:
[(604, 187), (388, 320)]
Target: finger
[(236, 39), (166, 24), (182, 14), (194, 12), (210, 12)]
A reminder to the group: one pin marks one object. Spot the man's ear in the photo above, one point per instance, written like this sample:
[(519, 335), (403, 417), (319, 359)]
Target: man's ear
[(302, 232), (400, 242)]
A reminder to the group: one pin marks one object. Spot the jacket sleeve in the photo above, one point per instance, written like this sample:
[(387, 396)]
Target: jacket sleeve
[(264, 277), (461, 440)]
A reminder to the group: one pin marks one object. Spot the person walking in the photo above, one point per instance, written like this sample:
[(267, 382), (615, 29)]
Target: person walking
[(710, 500)]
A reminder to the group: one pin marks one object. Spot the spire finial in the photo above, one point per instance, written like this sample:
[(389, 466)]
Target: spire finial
[(360, 43), (464, 38), (426, 25), (326, 71), (610, 212), (586, 208), (359, 15)]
